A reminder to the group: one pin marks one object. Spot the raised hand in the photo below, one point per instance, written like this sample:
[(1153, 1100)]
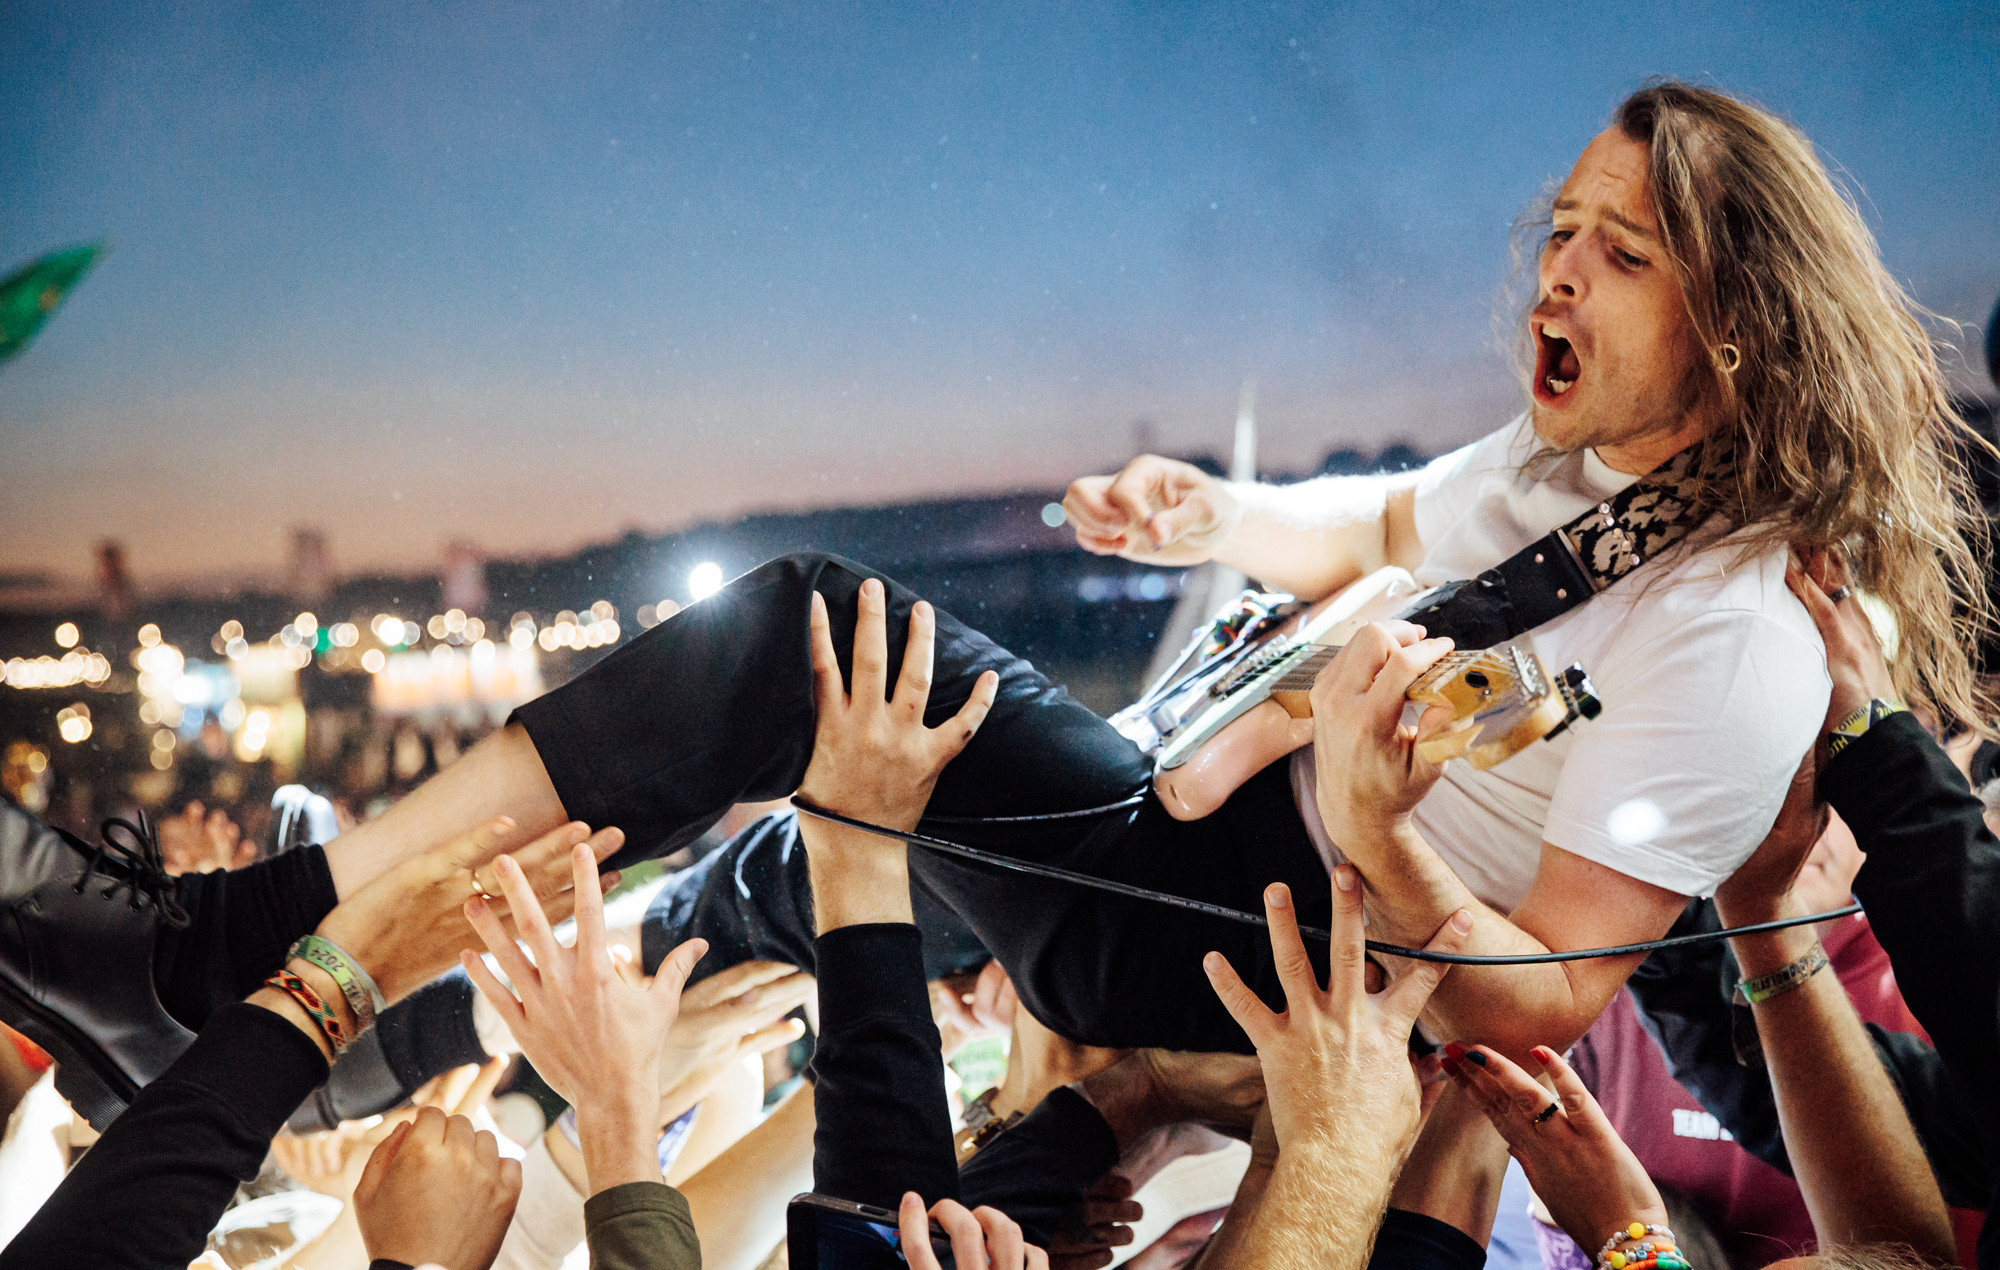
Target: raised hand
[(1337, 1069), (408, 926), (593, 1035), (436, 1191), (331, 1162), (735, 1014), (873, 758), (1584, 1172), (1370, 773), (1854, 658), (1161, 511)]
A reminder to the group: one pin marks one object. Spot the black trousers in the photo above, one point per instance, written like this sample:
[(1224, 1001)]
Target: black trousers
[(715, 707)]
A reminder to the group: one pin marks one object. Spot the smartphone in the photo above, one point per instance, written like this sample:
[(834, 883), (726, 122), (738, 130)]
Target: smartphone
[(824, 1233)]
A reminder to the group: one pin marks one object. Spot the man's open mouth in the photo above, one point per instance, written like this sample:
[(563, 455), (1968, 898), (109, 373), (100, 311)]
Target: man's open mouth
[(1556, 365)]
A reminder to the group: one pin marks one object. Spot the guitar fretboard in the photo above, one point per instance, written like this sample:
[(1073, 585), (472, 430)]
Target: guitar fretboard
[(1299, 675)]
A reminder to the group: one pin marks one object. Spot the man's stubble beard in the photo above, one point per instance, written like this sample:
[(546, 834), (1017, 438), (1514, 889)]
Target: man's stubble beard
[(1644, 417)]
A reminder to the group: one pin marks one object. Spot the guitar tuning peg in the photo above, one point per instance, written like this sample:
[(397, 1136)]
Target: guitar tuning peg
[(1581, 692)]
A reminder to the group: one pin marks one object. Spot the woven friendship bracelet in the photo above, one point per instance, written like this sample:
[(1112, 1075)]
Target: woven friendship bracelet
[(364, 999), (309, 1001), (1858, 721), (1784, 978)]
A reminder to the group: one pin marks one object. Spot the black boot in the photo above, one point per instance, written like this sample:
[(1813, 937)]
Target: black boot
[(78, 926)]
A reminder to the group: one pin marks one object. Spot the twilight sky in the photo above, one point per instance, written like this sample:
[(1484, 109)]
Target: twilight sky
[(533, 274)]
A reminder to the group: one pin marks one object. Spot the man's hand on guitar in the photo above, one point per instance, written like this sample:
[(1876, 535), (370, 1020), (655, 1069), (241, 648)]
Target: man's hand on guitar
[(1370, 774), (1160, 511)]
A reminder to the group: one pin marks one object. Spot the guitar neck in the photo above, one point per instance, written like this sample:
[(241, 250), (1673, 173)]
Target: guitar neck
[(1299, 676)]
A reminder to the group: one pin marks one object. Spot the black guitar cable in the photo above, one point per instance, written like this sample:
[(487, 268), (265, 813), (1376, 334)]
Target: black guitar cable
[(1054, 873)]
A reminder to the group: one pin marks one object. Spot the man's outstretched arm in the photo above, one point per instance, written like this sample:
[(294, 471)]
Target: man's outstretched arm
[(1574, 903), (1310, 539)]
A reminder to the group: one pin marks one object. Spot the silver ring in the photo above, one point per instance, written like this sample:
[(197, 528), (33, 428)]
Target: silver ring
[(1546, 1114), (1839, 593)]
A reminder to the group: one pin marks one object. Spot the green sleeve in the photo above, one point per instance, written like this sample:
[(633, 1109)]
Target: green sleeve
[(640, 1226)]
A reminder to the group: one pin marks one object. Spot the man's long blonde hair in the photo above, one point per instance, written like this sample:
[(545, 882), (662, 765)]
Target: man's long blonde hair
[(1841, 429)]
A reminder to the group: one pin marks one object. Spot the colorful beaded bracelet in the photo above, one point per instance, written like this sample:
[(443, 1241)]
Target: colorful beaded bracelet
[(1641, 1247)]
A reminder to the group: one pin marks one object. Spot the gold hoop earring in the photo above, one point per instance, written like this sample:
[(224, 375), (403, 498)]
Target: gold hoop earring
[(1730, 358)]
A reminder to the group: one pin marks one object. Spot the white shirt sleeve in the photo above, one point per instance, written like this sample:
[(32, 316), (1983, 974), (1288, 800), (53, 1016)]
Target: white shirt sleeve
[(1683, 774), (1451, 484), (548, 1220)]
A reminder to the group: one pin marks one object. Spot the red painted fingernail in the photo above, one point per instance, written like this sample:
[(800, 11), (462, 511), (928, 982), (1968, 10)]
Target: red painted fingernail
[(1454, 1051)]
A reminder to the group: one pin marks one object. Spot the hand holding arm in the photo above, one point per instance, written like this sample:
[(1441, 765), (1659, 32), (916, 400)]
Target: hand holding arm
[(1852, 1148)]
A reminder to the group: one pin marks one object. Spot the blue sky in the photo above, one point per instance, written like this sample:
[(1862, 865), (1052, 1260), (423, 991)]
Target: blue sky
[(530, 275)]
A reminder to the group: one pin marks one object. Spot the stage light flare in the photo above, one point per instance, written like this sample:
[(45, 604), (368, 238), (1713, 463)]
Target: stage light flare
[(705, 579)]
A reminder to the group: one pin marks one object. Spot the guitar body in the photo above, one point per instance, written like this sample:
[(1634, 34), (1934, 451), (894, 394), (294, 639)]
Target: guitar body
[(1195, 785), (1246, 702), (1258, 738)]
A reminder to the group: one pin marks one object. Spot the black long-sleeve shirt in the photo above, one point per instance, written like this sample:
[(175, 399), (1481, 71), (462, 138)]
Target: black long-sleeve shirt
[(878, 1087), (148, 1193), (1931, 886)]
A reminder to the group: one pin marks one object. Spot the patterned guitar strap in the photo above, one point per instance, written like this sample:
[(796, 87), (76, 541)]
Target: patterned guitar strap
[(1570, 564)]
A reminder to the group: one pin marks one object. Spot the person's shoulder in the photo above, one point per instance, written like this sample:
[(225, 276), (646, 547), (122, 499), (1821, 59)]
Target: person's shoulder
[(1503, 450), (1735, 581)]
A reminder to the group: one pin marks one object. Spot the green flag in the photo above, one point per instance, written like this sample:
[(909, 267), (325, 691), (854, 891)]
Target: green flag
[(33, 291)]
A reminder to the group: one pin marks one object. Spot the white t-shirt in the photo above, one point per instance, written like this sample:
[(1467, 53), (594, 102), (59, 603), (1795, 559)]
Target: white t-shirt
[(1711, 673)]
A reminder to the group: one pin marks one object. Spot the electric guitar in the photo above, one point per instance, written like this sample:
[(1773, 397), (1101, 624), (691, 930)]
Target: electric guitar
[(1237, 699)]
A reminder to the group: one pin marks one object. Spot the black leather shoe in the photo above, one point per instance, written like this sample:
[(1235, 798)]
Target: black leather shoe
[(77, 929)]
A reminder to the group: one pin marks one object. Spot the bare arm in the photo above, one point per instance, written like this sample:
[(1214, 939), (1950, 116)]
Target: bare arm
[(1371, 778), (1455, 1170), (739, 1200), (1858, 1162), (1315, 537), (1310, 539), (1574, 903)]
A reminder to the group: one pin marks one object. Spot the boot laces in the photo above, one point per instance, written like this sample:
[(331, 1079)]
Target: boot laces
[(138, 865)]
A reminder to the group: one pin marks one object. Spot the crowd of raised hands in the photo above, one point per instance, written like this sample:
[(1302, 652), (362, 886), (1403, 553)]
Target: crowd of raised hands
[(1374, 1134)]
